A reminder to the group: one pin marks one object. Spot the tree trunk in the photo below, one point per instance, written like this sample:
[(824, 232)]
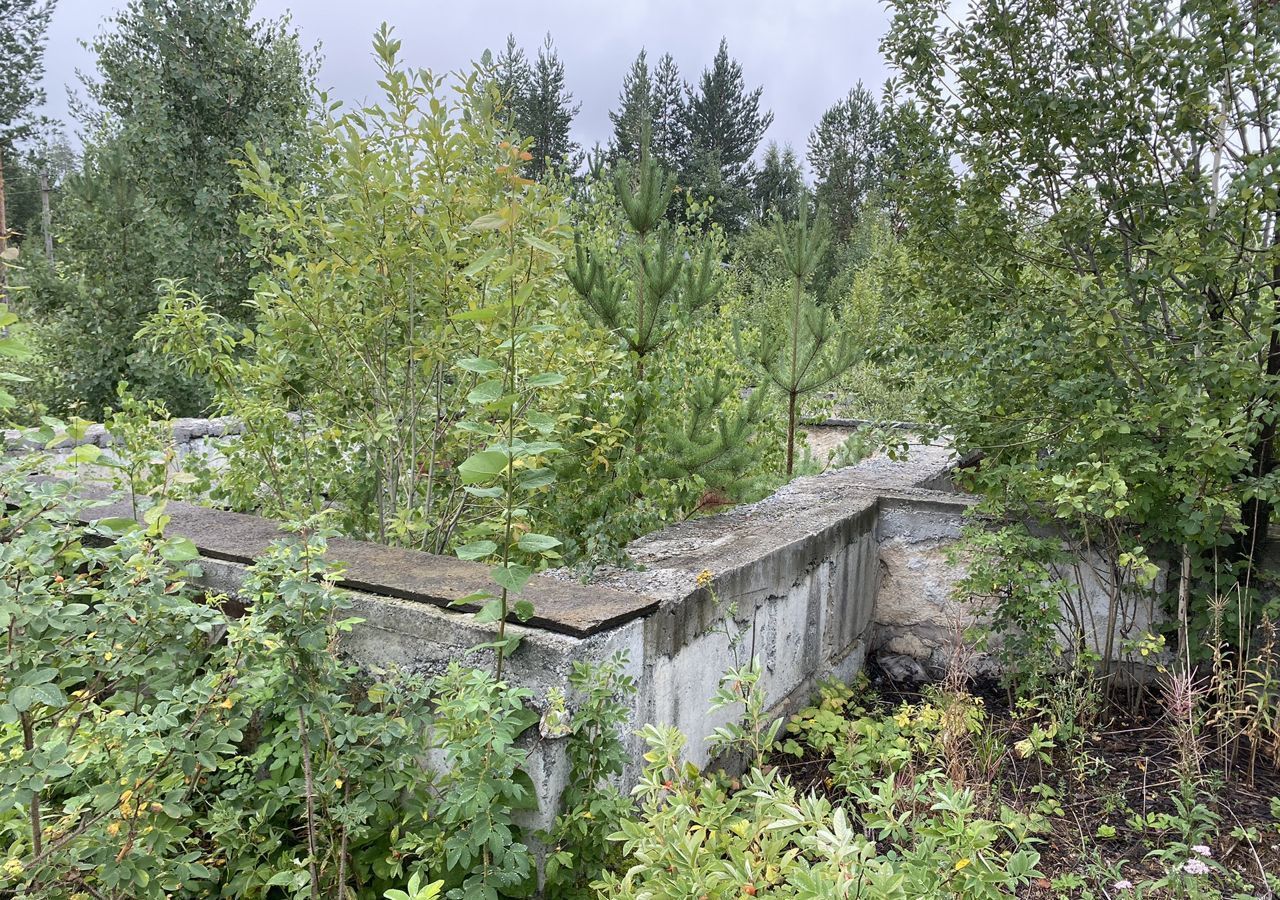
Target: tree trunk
[(46, 217), (1255, 513), (4, 236), (791, 433)]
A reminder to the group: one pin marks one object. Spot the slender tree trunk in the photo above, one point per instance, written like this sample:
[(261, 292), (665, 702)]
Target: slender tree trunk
[(791, 432), (1184, 607), (1255, 513), (4, 235), (46, 217), (37, 828), (313, 868)]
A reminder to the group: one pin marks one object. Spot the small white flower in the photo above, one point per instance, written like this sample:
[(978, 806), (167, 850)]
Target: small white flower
[(1124, 884), (1201, 850), (1195, 867)]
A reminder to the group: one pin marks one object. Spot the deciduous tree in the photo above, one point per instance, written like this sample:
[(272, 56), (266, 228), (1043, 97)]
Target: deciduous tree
[(1095, 278), (182, 86)]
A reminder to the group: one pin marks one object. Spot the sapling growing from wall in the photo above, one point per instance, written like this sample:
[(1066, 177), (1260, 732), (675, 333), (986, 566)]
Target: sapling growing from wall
[(512, 467), (812, 351)]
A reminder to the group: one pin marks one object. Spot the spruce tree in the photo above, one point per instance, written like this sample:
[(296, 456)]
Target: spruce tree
[(539, 106), (669, 141), (635, 111), (549, 111), (844, 152), (512, 75), (652, 98), (725, 127), (779, 187), (811, 352)]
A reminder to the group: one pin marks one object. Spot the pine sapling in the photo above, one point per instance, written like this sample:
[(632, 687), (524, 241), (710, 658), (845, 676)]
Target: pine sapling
[(812, 351), (645, 303)]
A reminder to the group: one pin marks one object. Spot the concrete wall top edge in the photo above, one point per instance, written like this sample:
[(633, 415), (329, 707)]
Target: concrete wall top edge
[(801, 523), (184, 431)]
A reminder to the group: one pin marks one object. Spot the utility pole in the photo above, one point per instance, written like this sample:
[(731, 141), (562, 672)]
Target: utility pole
[(46, 217)]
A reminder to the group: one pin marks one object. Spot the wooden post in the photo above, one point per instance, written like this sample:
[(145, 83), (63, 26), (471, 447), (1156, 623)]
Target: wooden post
[(46, 217)]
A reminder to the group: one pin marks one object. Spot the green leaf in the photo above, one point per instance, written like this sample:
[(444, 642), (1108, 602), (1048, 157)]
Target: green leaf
[(84, 454), (484, 260), (178, 550), (528, 799), (15, 349), (472, 599), (483, 428), (478, 365), (486, 392), (490, 612), (489, 222), (116, 524), (483, 314), (23, 697), (546, 379), (483, 466), (540, 244), (513, 577), (536, 478), (537, 543), (476, 550), (50, 695)]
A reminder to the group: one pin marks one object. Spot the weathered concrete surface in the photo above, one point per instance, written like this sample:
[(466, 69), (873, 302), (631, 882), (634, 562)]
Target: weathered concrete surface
[(916, 613), (794, 577), (187, 435), (796, 574), (422, 578), (202, 438), (809, 580)]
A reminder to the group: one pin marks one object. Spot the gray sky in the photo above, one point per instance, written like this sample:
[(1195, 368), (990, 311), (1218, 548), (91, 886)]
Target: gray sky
[(806, 53)]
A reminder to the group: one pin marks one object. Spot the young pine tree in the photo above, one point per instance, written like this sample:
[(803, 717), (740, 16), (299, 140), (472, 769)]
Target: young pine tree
[(645, 302), (810, 352)]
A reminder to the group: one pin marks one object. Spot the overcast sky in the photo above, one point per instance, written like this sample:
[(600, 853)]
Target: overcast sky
[(806, 53)]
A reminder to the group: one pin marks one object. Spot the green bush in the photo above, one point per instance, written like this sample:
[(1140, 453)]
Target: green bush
[(156, 744)]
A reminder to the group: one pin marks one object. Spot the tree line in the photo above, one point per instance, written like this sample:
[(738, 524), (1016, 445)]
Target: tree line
[(180, 89)]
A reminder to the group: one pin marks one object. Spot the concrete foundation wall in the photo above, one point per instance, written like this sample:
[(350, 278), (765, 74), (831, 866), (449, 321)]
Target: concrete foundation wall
[(202, 437), (794, 581), (810, 580)]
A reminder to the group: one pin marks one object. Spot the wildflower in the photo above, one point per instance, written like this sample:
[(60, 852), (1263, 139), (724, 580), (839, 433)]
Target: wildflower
[(1201, 850), (1124, 884), (705, 577), (961, 863), (1195, 867)]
